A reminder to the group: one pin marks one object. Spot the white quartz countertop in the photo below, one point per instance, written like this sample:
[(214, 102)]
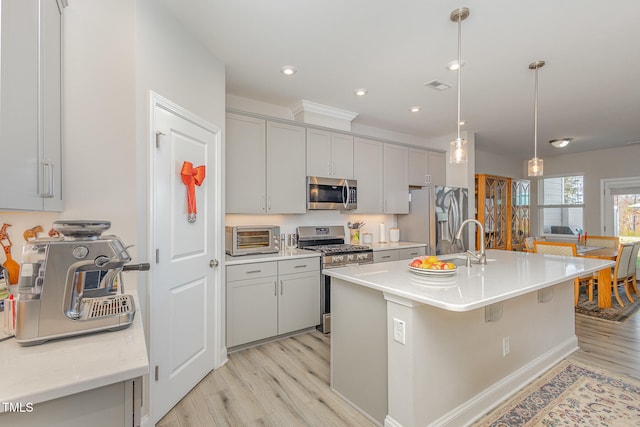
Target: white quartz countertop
[(377, 246), (507, 275), (277, 256), (71, 365)]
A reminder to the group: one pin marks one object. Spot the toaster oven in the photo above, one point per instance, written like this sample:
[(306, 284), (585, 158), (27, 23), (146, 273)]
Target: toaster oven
[(252, 239)]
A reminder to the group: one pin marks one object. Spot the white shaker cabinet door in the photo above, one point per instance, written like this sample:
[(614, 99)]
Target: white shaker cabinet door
[(437, 168), (342, 155), (319, 153), (419, 167), (31, 105), (299, 304), (245, 164), (396, 181), (367, 171), (252, 310), (286, 171)]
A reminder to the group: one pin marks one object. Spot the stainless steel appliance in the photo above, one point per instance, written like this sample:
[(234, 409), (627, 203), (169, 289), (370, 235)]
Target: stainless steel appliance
[(331, 193), (435, 215), (329, 241), (72, 285), (252, 239)]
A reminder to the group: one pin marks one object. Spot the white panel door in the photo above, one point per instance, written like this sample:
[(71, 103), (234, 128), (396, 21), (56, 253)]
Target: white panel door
[(185, 289)]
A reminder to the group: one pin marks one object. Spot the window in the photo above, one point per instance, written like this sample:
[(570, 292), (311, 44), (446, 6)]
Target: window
[(561, 205)]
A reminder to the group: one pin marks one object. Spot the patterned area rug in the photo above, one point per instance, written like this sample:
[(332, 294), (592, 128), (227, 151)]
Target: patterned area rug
[(569, 395), (615, 314)]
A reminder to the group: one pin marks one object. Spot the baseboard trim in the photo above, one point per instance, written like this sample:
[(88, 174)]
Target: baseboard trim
[(492, 396)]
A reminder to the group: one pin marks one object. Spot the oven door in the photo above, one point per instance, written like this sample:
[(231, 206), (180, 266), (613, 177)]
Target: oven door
[(331, 193)]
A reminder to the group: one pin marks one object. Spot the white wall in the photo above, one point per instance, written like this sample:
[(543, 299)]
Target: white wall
[(495, 164), (171, 63)]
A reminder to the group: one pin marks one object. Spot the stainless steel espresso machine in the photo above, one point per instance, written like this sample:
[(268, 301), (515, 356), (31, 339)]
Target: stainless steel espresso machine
[(72, 284)]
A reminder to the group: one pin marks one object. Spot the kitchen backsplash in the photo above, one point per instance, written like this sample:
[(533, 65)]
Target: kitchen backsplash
[(22, 221), (288, 223)]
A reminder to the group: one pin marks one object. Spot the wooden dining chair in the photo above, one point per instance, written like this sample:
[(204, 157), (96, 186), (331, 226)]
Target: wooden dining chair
[(621, 272), (566, 249), (603, 241), (633, 265)]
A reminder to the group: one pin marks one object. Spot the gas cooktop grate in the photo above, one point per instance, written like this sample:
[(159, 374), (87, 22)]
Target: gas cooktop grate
[(109, 306)]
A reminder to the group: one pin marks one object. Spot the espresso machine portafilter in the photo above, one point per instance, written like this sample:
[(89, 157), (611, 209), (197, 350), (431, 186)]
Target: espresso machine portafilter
[(73, 284)]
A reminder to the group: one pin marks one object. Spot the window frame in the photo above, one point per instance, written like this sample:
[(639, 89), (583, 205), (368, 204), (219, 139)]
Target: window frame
[(541, 206)]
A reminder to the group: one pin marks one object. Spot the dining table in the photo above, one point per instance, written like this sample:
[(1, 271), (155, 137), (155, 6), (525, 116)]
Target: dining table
[(604, 275)]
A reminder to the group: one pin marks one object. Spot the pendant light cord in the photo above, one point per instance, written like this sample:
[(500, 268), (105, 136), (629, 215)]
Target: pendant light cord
[(535, 118), (459, 69)]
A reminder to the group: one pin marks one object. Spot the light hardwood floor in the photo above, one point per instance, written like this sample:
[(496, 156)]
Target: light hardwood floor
[(286, 383)]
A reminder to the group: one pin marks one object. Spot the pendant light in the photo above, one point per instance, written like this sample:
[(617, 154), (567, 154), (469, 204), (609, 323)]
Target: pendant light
[(458, 147), (535, 165)]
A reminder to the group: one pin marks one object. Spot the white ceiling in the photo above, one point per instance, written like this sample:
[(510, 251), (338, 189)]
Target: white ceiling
[(589, 88)]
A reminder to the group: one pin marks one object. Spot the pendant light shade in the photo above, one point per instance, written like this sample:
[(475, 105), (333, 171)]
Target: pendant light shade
[(535, 165), (458, 147)]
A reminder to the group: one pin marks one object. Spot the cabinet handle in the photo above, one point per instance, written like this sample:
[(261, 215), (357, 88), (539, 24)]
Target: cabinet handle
[(300, 266), (275, 288), (427, 179), (47, 179), (268, 203), (385, 256), (329, 166), (253, 271), (281, 287)]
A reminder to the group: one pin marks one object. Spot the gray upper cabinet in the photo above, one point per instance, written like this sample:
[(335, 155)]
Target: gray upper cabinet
[(426, 168), (31, 105), (329, 154), (265, 166)]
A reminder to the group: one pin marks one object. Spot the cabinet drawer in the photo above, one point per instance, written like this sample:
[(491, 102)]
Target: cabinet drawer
[(300, 265), (406, 253), (384, 256), (251, 271)]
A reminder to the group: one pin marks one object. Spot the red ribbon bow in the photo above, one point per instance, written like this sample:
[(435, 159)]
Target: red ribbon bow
[(191, 177)]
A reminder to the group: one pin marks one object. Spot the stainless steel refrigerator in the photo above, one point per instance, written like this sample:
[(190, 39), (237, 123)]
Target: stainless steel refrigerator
[(435, 215)]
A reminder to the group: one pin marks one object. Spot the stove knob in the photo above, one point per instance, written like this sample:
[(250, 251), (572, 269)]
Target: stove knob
[(351, 257), (339, 258)]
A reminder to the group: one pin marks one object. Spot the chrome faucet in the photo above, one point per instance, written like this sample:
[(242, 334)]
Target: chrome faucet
[(480, 257)]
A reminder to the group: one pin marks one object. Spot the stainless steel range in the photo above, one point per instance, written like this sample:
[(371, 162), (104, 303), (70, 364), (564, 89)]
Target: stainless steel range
[(329, 241)]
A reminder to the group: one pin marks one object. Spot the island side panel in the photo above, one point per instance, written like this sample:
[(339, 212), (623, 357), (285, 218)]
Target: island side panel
[(359, 347), (452, 368)]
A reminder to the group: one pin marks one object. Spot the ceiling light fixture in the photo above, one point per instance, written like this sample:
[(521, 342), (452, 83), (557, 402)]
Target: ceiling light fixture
[(453, 65), (415, 109), (361, 92), (288, 70), (458, 147), (535, 165), (561, 143)]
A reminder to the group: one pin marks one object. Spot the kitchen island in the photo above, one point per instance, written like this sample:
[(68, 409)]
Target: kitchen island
[(414, 350), (87, 380)]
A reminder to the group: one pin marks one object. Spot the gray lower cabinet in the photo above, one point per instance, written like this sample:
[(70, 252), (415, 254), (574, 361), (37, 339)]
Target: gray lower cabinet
[(267, 299), (397, 254)]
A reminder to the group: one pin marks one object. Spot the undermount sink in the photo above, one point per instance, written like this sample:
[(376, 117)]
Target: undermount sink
[(460, 260)]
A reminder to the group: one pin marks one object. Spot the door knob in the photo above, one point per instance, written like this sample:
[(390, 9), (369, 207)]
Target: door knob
[(213, 263)]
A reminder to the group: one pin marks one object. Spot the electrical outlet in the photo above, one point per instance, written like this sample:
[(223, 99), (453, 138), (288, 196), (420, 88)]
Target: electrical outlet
[(506, 346), (398, 330)]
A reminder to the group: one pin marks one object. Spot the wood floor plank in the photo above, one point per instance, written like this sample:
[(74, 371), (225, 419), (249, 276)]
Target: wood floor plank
[(286, 382)]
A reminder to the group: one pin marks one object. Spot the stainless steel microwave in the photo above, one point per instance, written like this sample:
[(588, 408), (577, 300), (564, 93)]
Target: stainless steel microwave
[(331, 193), (252, 239)]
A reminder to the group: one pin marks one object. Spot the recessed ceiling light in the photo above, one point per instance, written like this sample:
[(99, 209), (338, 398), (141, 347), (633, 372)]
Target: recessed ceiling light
[(415, 108), (361, 92), (453, 65), (288, 70), (560, 143)]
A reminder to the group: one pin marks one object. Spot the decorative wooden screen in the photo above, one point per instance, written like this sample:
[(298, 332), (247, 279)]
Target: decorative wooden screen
[(520, 212), (494, 210)]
